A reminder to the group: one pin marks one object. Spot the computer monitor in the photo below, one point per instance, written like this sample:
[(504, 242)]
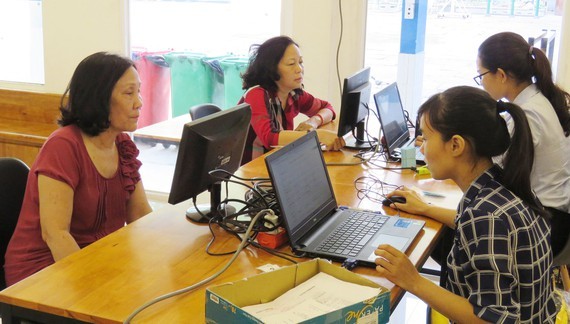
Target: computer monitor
[(213, 142), (354, 109)]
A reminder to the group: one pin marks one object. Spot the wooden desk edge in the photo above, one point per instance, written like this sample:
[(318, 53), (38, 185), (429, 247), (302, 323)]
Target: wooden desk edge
[(435, 230)]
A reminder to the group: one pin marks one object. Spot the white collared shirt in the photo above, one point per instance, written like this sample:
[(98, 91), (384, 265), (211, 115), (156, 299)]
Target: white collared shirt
[(550, 176)]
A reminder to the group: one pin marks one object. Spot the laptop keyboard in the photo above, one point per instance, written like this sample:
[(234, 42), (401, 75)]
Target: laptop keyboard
[(351, 236)]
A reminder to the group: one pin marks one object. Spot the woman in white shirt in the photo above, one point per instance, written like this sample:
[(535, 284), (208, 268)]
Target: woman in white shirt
[(509, 68), (512, 69)]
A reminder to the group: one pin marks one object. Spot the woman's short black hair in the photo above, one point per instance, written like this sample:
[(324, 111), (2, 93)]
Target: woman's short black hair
[(86, 101), (263, 62)]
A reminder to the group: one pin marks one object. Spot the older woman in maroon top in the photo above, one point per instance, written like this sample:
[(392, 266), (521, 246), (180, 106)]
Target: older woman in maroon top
[(85, 182), (274, 90)]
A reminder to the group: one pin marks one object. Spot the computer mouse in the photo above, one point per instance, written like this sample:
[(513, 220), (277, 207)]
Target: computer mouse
[(393, 199)]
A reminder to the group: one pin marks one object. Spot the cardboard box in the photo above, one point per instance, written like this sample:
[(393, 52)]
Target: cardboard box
[(224, 302)]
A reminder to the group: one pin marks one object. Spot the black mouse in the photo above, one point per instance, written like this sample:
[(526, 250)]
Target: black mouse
[(393, 199)]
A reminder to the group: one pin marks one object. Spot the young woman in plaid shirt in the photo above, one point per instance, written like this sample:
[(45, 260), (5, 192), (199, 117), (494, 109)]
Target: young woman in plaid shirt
[(501, 258)]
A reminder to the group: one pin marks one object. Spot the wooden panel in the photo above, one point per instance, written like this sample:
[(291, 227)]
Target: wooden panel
[(26, 121), (26, 153), (31, 106), (27, 131)]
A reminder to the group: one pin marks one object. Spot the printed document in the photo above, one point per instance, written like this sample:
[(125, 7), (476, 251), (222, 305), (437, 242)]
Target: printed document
[(319, 295)]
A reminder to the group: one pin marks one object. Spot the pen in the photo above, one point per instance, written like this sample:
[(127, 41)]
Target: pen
[(433, 194)]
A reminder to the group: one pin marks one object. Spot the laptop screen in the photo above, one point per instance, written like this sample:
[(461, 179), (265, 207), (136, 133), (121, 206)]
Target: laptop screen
[(302, 184), (392, 119)]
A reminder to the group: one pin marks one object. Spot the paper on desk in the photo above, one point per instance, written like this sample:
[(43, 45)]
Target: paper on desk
[(319, 295)]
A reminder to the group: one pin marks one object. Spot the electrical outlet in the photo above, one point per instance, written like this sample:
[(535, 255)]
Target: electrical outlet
[(409, 6)]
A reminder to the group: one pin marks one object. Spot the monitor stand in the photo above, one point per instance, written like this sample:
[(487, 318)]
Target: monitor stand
[(356, 142), (212, 210)]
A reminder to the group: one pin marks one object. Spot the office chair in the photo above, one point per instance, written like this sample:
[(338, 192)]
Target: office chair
[(14, 176), (562, 260), (203, 110), (563, 257)]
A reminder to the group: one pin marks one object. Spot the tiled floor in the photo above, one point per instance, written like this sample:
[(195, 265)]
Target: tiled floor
[(411, 309)]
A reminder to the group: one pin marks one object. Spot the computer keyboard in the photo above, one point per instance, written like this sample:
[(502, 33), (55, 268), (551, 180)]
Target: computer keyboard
[(351, 236)]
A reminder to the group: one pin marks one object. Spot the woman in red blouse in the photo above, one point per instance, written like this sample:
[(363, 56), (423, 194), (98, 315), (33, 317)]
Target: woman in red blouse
[(274, 90), (85, 182)]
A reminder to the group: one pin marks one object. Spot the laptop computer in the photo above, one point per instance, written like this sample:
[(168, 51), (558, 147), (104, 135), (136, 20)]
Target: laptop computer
[(312, 217), (393, 123)]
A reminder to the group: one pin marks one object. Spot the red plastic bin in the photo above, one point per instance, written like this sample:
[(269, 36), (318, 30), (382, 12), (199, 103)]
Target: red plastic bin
[(155, 86)]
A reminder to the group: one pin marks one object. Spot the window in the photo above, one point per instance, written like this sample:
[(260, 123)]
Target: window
[(207, 26), (164, 36), (195, 46), (452, 37), (21, 41)]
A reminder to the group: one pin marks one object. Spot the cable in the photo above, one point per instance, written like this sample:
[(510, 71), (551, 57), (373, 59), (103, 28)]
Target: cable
[(239, 178), (367, 134), (236, 182), (260, 196), (212, 277), (338, 46), (408, 120), (277, 253), (372, 188), (362, 161), (375, 147)]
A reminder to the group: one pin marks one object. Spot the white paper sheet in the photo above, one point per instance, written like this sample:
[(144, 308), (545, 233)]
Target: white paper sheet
[(319, 295)]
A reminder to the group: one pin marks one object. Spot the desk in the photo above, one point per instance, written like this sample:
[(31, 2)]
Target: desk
[(163, 252), (167, 132)]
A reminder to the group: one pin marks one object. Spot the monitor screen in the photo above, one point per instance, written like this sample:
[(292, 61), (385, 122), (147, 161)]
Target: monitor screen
[(354, 109), (213, 142), (392, 118)]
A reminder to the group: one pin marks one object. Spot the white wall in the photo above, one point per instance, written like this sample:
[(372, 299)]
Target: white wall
[(563, 71), (316, 26)]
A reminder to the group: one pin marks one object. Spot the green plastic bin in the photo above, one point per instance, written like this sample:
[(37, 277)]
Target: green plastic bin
[(193, 81), (233, 67)]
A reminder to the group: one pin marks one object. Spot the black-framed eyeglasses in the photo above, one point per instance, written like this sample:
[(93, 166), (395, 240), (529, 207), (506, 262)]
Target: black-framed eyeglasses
[(478, 78)]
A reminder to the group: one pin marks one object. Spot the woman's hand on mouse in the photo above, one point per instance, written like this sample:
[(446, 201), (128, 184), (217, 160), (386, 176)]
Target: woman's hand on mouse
[(414, 202)]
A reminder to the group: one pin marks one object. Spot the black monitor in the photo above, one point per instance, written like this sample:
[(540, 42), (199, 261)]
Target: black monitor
[(354, 109), (213, 142)]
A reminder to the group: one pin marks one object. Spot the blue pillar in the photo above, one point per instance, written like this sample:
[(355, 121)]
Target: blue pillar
[(411, 58), (512, 12)]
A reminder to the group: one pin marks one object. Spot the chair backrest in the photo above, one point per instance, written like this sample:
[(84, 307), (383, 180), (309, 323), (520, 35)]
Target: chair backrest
[(203, 110), (13, 179), (563, 257)]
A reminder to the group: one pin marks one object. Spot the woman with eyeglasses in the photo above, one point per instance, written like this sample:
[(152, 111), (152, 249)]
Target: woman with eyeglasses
[(509, 68)]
